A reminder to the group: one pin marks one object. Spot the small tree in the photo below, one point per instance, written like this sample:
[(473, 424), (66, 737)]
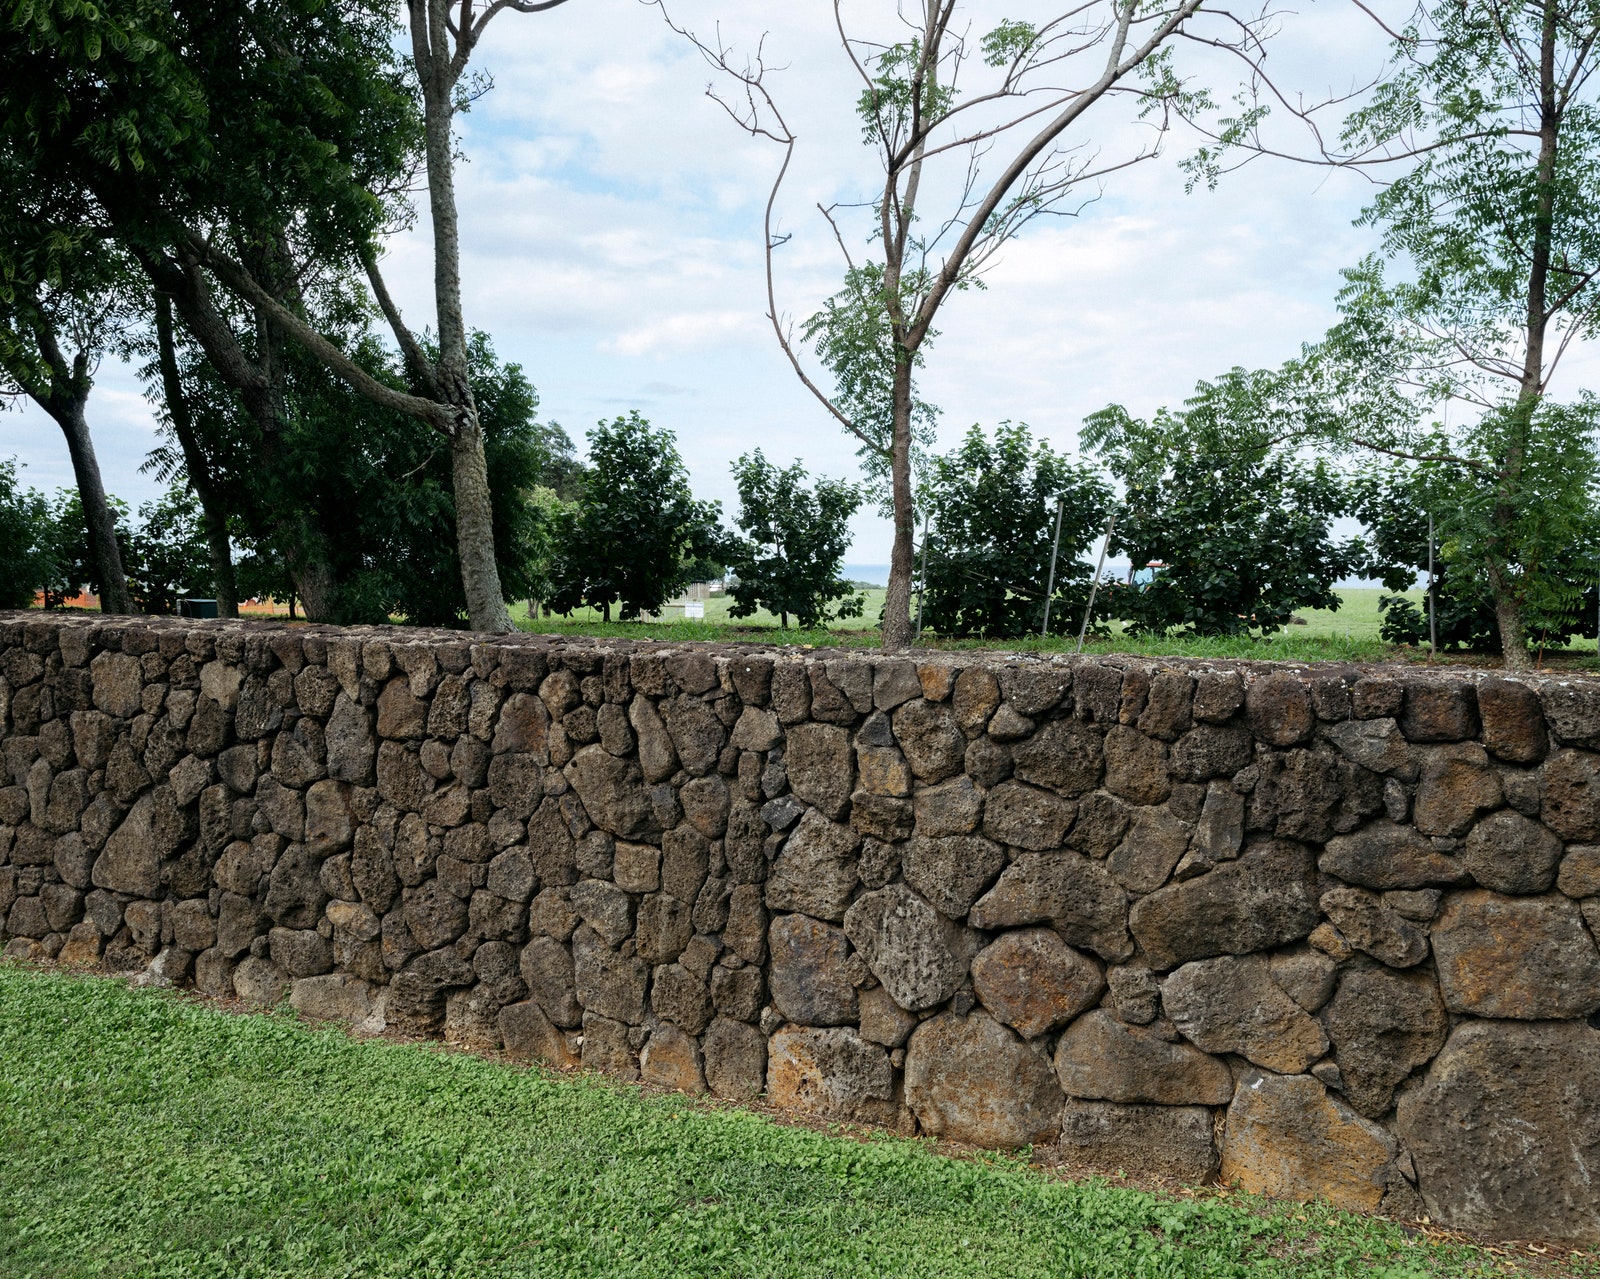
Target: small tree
[(976, 136), (24, 566), (994, 509), (1241, 527), (65, 541), (635, 527), (168, 557), (795, 541)]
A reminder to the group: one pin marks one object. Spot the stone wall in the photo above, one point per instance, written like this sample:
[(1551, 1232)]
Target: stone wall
[(1319, 931)]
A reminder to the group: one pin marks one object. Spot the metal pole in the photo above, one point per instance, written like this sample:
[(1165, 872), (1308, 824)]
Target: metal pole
[(1432, 617), (922, 583), (1050, 588), (1094, 587)]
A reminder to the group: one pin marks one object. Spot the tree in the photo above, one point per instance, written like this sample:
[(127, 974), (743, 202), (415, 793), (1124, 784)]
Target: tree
[(381, 490), (994, 505), (1241, 526), (635, 526), (168, 558), (1009, 148), (795, 540), (59, 379), (24, 564), (65, 543), (1490, 267), (1556, 542), (285, 135)]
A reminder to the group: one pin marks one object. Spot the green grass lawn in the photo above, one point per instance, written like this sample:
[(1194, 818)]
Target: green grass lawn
[(145, 1134), (1349, 633)]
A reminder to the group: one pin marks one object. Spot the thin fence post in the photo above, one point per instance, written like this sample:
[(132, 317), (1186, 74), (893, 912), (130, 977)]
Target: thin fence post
[(1055, 550), (1433, 617), (922, 582), (1094, 586)]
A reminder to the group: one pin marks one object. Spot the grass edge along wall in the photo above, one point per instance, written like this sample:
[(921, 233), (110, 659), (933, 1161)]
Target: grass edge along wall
[(1346, 911)]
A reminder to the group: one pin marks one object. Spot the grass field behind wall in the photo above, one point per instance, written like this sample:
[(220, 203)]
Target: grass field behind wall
[(1349, 633), (143, 1134)]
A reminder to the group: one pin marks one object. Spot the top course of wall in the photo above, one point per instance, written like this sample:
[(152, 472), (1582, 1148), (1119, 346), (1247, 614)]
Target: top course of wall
[(1321, 930)]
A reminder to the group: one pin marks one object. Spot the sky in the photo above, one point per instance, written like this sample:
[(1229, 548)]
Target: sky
[(612, 245)]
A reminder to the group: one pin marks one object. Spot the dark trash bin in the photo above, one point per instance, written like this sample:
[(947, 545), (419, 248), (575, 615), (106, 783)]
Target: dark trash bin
[(197, 608)]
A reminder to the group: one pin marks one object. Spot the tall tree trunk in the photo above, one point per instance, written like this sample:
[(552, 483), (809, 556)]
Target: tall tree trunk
[(218, 545), (897, 601), (103, 548), (480, 575), (480, 572), (1507, 607)]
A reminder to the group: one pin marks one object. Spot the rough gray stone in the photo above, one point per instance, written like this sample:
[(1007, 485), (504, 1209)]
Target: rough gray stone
[(1525, 958), (1458, 783), (1505, 1130), (1170, 1141), (1034, 982), (953, 872), (952, 808), (1287, 1137), (1383, 1025), (808, 975), (970, 1079), (931, 737), (735, 1059), (1510, 854), (1571, 795), (1232, 1005), (1076, 896), (832, 1073), (914, 951), (817, 870), (1306, 975), (1156, 841), (821, 766), (1102, 1059), (608, 982), (613, 793), (1266, 898), (1377, 744), (1027, 817), (1370, 926), (1136, 766), (1383, 856), (1065, 755)]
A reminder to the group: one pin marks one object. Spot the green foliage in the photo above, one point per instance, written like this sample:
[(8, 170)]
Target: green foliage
[(795, 540), (1241, 525), (994, 508), (62, 537), (635, 530), (1548, 548), (25, 564), (166, 557), (144, 1134), (383, 493), (853, 336)]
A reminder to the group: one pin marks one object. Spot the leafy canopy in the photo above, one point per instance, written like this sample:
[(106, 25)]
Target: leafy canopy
[(795, 540), (636, 528), (994, 502)]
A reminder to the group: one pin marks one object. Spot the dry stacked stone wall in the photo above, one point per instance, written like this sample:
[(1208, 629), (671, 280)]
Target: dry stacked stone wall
[(1321, 932)]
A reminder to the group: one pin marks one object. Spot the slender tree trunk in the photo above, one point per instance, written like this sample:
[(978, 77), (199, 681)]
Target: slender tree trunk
[(102, 526), (1507, 607), (218, 544), (480, 572), (897, 602)]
